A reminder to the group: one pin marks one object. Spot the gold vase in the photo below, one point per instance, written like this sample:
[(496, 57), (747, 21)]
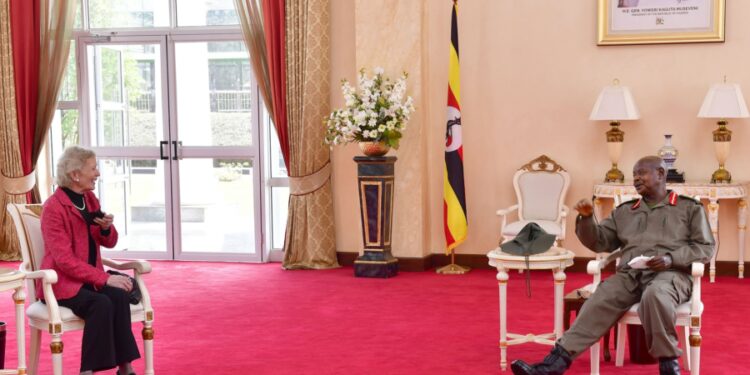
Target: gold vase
[(374, 148)]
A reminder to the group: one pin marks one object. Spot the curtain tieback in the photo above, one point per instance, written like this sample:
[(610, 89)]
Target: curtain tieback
[(18, 185), (303, 185)]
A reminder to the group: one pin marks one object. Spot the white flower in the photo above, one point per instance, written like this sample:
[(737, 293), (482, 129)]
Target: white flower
[(375, 110)]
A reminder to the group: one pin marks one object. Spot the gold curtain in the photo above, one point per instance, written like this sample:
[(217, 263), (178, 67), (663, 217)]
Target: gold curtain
[(310, 241), (251, 20), (57, 19), (11, 154)]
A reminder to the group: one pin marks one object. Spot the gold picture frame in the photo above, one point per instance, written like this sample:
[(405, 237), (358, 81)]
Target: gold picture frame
[(660, 21)]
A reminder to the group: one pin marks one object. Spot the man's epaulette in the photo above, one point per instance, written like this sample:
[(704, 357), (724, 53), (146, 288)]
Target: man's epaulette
[(630, 202), (696, 199)]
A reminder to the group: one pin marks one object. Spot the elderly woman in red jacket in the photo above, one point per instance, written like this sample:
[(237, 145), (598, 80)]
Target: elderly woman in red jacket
[(74, 227)]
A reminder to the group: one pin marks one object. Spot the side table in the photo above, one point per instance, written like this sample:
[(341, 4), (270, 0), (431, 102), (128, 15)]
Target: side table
[(11, 279), (555, 259)]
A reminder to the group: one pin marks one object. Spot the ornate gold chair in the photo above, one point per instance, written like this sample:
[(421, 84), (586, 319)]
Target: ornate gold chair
[(51, 317), (541, 186)]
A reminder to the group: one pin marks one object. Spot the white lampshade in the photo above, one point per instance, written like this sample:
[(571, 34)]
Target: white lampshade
[(724, 100), (615, 103)]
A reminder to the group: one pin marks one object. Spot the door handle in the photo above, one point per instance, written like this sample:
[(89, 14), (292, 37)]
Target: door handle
[(161, 150), (174, 147)]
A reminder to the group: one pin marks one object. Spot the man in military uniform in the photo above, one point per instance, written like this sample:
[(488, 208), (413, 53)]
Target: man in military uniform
[(673, 230)]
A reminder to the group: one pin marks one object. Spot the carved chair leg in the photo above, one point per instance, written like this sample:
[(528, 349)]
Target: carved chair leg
[(35, 343), (595, 358), (148, 347), (695, 351), (620, 345), (56, 347), (683, 337)]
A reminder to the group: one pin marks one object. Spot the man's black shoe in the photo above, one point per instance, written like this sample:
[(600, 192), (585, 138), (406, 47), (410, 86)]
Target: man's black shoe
[(669, 366), (520, 367), (555, 363)]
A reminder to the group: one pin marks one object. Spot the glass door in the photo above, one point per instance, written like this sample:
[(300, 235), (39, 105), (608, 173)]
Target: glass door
[(173, 125), (126, 112), (216, 178)]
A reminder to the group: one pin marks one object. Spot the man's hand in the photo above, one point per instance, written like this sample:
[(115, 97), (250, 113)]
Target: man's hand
[(119, 281), (660, 263), (584, 208)]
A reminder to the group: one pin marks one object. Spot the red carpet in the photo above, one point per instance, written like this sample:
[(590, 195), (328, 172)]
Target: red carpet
[(223, 318)]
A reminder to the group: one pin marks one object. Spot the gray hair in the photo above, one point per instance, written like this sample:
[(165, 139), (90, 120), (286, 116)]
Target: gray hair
[(72, 159)]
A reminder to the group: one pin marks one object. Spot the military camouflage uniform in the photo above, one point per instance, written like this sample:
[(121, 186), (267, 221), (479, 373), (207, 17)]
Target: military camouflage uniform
[(676, 226)]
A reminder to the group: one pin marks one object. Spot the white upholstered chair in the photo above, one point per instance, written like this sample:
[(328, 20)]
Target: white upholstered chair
[(688, 322), (51, 317), (541, 186)]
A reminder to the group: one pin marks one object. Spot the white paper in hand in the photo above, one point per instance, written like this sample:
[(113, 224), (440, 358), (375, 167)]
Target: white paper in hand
[(639, 262)]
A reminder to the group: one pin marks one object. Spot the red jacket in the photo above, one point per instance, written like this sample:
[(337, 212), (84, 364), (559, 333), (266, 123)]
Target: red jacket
[(66, 245)]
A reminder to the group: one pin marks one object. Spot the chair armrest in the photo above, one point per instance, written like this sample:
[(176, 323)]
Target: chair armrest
[(594, 268), (697, 269), (562, 221), (504, 215), (139, 266), (600, 264), (48, 278), (506, 211), (697, 272)]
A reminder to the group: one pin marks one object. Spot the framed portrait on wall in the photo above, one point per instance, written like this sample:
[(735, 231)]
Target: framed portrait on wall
[(660, 21)]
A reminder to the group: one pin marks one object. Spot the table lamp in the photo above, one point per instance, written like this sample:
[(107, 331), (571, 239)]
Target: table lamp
[(615, 103), (723, 101)]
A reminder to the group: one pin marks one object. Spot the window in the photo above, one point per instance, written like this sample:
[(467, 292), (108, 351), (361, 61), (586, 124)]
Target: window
[(206, 13), (229, 92), (143, 99), (119, 101), (279, 187), (230, 83), (64, 130), (117, 14)]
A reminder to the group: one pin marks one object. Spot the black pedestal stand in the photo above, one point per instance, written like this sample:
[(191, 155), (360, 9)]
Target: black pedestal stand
[(375, 175)]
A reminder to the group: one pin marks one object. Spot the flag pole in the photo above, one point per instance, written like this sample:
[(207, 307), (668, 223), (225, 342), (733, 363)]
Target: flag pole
[(454, 194), (453, 268)]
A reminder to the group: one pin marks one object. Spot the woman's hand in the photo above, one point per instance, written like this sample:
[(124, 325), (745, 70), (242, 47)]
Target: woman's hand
[(120, 281), (105, 221)]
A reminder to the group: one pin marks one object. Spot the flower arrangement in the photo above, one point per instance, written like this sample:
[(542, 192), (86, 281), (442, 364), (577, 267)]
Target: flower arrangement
[(377, 112)]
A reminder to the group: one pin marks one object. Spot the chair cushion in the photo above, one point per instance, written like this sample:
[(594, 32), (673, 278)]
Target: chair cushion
[(39, 311), (540, 195), (551, 227)]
